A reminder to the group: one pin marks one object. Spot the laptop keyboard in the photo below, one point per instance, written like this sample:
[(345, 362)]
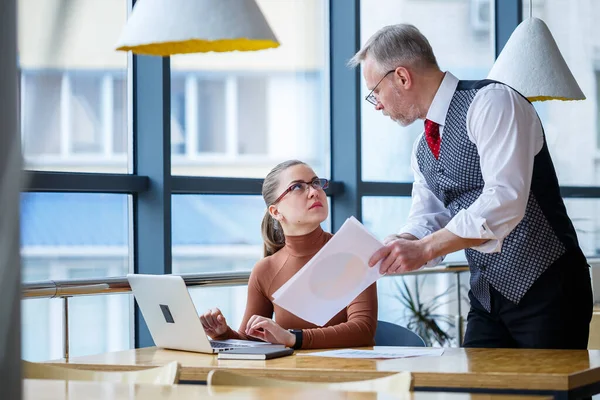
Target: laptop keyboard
[(221, 345)]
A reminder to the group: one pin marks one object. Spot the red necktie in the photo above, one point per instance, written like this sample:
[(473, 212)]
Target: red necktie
[(432, 135)]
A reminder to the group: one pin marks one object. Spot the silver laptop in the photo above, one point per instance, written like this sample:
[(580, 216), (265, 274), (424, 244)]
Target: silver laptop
[(171, 315)]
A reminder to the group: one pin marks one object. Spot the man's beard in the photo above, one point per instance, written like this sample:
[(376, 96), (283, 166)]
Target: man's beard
[(407, 118)]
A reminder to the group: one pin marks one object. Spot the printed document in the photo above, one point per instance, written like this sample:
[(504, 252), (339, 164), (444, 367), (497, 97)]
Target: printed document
[(333, 277), (379, 352)]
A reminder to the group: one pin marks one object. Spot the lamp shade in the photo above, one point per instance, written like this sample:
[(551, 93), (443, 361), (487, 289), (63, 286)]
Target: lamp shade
[(166, 27), (532, 64)]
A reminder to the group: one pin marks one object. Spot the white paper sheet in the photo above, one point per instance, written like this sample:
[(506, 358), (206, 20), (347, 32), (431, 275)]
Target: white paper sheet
[(382, 352), (333, 277)]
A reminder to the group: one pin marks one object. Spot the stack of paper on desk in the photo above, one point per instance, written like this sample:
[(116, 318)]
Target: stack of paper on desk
[(333, 277), (380, 352)]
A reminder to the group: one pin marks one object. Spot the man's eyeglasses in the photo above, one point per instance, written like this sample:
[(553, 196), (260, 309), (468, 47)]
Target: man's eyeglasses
[(371, 97), (302, 187)]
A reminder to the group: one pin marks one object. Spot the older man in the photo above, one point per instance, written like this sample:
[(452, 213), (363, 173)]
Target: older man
[(484, 182)]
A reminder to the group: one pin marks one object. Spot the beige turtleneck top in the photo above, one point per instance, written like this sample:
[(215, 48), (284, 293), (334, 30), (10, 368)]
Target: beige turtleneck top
[(354, 326)]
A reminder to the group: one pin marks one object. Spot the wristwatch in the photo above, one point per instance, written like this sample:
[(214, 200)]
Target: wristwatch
[(298, 334)]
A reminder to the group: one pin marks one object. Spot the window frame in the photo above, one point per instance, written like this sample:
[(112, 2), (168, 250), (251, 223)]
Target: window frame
[(151, 183)]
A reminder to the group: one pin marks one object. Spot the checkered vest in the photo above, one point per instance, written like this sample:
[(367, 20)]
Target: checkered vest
[(544, 234)]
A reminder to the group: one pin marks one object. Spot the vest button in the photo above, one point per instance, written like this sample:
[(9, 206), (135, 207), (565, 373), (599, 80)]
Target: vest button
[(482, 267), (440, 170)]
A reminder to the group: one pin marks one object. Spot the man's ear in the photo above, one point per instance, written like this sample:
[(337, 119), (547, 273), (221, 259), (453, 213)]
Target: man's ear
[(403, 77), (275, 212)]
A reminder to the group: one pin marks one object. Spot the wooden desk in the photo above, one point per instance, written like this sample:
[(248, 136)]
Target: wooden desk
[(556, 372), (59, 390)]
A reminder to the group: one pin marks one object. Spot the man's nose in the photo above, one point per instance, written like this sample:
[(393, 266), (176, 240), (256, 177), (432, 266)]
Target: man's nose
[(378, 106)]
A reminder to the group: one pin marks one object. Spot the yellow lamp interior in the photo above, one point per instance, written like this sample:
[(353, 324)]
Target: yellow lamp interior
[(546, 98), (200, 46)]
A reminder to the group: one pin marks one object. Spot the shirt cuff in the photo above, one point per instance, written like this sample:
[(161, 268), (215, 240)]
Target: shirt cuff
[(416, 230), (468, 226), (433, 263)]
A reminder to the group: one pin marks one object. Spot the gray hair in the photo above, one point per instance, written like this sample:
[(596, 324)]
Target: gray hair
[(397, 45)]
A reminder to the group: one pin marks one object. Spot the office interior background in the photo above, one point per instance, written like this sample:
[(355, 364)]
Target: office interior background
[(205, 128)]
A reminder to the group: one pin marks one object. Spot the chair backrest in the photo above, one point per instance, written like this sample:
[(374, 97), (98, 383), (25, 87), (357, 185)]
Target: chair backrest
[(389, 334), (166, 375), (394, 384)]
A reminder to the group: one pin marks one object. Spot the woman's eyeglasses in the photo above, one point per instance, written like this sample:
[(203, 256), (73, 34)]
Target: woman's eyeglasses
[(302, 187)]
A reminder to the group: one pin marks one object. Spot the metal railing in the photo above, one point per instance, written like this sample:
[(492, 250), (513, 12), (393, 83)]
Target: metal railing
[(65, 289), (115, 285)]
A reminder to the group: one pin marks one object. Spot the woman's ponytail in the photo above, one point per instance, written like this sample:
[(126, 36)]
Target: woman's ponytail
[(272, 235)]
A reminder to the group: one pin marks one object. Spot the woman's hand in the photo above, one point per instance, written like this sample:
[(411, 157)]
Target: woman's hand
[(214, 323), (266, 329)]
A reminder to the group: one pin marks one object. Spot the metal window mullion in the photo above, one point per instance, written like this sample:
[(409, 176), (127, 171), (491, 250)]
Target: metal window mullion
[(66, 145), (344, 33), (151, 158), (22, 101), (78, 182), (191, 116), (508, 14), (107, 114), (395, 189), (231, 186), (231, 116)]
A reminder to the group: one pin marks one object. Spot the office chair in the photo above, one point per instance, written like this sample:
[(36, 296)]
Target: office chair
[(389, 334)]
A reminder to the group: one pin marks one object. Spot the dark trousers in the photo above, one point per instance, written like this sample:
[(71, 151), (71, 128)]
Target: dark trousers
[(554, 314)]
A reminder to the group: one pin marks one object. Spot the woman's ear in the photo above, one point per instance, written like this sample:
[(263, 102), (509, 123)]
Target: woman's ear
[(275, 212)]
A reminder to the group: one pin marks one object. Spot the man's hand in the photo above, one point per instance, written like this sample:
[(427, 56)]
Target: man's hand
[(401, 253), (266, 329), (404, 253)]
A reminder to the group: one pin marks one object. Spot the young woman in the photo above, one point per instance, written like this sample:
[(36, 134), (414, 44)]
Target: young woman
[(292, 234)]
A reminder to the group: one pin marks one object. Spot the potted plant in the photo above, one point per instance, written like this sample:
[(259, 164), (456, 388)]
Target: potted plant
[(423, 316)]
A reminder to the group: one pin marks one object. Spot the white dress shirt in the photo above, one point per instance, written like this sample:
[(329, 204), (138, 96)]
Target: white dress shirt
[(508, 134)]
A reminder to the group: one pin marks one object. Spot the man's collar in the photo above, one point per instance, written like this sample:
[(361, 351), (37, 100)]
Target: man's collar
[(441, 102)]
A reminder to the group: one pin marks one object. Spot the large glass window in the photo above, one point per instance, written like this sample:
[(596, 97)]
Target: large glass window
[(73, 85), (218, 233), (239, 114), (460, 33), (74, 236), (571, 126), (584, 214), (97, 324)]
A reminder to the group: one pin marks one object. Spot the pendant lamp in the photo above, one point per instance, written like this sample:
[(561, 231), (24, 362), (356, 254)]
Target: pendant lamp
[(167, 27), (532, 64)]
